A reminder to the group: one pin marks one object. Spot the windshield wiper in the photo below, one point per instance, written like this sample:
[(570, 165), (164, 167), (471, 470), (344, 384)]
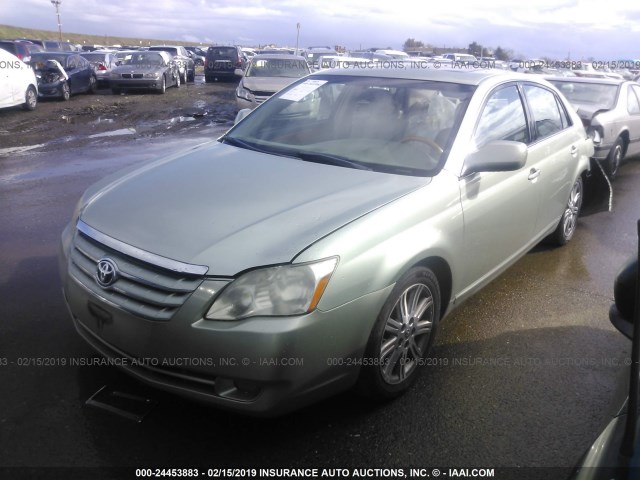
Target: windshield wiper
[(236, 142), (329, 160)]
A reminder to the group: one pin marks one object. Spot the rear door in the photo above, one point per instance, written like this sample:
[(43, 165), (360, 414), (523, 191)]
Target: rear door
[(554, 152), (7, 80), (633, 108)]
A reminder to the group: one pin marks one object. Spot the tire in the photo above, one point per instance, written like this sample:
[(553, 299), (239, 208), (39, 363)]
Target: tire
[(183, 78), (400, 339), (116, 91), (30, 98), (66, 92), (614, 159), (163, 85), (208, 79), (567, 225), (93, 85)]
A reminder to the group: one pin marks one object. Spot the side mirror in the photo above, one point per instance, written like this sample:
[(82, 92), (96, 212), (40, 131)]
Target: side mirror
[(497, 156), (241, 114), (624, 293), (238, 72)]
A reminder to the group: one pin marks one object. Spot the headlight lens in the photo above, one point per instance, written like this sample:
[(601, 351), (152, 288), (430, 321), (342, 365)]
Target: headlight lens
[(274, 291), (152, 75), (243, 92)]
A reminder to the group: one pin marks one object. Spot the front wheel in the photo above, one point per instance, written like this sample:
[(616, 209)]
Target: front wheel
[(163, 85), (66, 91), (93, 85), (401, 336), (30, 98), (569, 221)]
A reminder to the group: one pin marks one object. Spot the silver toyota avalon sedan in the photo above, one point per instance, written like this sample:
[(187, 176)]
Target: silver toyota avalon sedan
[(316, 245)]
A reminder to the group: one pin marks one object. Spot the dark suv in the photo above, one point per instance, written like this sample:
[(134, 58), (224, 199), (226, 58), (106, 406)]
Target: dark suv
[(221, 62)]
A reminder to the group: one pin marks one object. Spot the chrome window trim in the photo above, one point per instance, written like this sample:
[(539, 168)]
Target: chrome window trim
[(135, 252)]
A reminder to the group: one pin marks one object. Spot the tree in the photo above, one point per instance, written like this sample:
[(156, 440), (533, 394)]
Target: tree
[(413, 43), (475, 49), (502, 54)]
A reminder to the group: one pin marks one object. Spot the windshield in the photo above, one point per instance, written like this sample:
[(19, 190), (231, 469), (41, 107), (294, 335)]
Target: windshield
[(144, 59), (602, 96), (277, 67), (389, 125)]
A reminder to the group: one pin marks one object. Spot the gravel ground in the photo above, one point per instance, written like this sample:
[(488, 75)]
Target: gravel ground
[(84, 118)]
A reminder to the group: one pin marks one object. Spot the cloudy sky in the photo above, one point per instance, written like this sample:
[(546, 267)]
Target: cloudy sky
[(597, 29)]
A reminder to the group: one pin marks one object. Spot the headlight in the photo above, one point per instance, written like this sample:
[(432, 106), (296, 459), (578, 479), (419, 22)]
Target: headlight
[(284, 290), (243, 93), (152, 75)]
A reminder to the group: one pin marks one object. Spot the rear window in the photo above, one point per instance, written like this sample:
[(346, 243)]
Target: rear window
[(222, 52), (172, 51), (8, 46)]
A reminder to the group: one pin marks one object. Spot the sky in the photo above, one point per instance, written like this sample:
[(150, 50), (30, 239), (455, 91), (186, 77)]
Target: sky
[(558, 29)]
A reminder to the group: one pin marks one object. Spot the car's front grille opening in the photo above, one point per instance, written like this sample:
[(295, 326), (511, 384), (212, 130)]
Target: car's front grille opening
[(140, 288)]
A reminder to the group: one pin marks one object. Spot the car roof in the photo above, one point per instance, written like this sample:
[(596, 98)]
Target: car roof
[(277, 56), (450, 75), (576, 79), (56, 53)]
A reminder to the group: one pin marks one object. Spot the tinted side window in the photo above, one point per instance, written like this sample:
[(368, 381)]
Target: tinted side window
[(503, 118), (633, 106), (544, 109)]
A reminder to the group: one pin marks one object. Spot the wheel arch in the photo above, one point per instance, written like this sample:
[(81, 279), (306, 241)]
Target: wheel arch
[(624, 135), (442, 271)]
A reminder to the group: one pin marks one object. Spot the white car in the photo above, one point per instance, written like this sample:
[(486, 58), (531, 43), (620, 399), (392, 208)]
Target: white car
[(18, 85)]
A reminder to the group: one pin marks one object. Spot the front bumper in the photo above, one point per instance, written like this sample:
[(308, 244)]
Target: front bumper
[(136, 84), (50, 89), (261, 366), (601, 152)]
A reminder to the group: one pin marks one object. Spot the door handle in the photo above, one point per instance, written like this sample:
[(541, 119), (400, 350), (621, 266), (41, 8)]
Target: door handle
[(533, 174), (574, 150)]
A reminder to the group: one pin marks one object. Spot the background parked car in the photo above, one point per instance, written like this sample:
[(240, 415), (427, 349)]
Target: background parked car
[(265, 75), (222, 62), (52, 83), (610, 109), (18, 84), (186, 65), (19, 49), (615, 454), (197, 54), (145, 70), (102, 61)]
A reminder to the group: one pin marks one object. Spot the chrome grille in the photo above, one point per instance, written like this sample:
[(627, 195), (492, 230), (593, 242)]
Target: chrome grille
[(141, 288)]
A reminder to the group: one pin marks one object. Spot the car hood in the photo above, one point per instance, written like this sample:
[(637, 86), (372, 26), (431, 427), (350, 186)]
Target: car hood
[(231, 209), (267, 84)]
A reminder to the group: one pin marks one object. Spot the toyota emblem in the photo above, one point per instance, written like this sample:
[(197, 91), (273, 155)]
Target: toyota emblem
[(106, 273)]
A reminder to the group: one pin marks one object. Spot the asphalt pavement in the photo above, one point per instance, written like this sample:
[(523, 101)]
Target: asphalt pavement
[(522, 375)]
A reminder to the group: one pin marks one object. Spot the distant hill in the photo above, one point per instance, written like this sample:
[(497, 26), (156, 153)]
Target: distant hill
[(10, 32)]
